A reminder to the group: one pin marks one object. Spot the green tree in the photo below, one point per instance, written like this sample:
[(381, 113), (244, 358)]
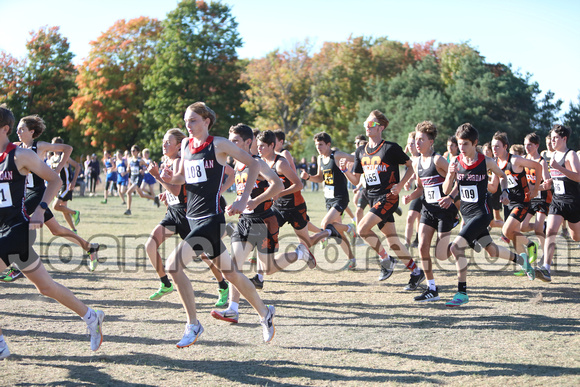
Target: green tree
[(49, 79), (111, 95), (195, 60), (572, 119), (12, 83)]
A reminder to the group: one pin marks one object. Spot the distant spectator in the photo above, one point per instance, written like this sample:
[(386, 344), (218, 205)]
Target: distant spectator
[(313, 170)]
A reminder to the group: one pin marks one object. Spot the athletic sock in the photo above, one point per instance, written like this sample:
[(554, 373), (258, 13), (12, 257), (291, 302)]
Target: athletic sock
[(165, 281), (416, 271), (547, 266), (223, 284), (412, 266), (234, 306), (90, 316), (299, 253), (462, 287), (383, 254), (431, 284), (260, 276)]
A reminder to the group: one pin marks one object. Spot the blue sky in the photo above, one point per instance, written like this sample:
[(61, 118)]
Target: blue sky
[(537, 37)]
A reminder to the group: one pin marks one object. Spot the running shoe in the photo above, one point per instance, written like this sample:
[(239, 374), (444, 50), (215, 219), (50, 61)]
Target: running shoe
[(268, 329), (399, 211), (351, 232), (96, 330), (428, 295), (458, 299), (531, 273), (104, 201), (333, 232), (192, 333), (128, 212), (252, 259), (387, 268), (4, 351), (76, 217), (228, 315), (324, 243), (257, 283), (93, 256), (564, 233), (163, 290), (352, 264), (307, 256), (533, 252), (12, 275), (520, 273), (223, 297), (543, 274), (415, 280)]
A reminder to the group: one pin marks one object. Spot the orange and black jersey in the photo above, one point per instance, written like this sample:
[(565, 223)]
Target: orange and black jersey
[(542, 196), (566, 190), (472, 182), (179, 201), (517, 183), (380, 166), (203, 179), (335, 185), (290, 201), (12, 190), (241, 179)]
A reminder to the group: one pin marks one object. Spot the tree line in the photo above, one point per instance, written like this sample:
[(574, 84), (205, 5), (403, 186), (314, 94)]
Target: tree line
[(141, 74)]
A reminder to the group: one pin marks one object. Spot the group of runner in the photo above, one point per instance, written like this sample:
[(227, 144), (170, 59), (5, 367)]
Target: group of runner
[(268, 189)]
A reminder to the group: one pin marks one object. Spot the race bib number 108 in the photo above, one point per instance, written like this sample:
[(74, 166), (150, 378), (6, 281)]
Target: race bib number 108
[(194, 171)]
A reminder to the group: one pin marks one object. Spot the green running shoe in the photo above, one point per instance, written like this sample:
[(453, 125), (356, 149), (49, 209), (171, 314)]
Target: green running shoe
[(533, 252), (530, 271), (458, 300), (76, 217), (163, 290), (12, 275), (223, 297), (520, 273)]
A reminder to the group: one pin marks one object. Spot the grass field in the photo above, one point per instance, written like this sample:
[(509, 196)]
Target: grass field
[(333, 327)]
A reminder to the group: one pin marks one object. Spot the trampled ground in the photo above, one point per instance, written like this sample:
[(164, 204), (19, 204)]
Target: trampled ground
[(333, 327)]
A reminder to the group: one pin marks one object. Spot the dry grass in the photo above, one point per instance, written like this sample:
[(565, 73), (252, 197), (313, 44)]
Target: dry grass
[(334, 327)]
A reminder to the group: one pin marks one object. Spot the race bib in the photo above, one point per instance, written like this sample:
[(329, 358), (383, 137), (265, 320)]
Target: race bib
[(469, 194), (329, 191), (372, 177), (121, 169), (29, 181), (512, 183), (5, 197), (559, 187), (432, 194), (134, 171), (172, 200), (194, 171)]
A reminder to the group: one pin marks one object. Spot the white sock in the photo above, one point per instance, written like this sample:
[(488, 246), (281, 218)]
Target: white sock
[(234, 306), (547, 266), (260, 276), (431, 284), (299, 253), (416, 271), (90, 316)]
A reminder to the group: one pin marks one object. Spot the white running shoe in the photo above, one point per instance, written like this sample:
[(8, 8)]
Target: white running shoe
[(307, 256), (268, 329), (192, 333), (96, 330), (4, 351)]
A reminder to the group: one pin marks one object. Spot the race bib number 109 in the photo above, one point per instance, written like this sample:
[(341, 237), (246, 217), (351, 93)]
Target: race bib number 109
[(469, 194)]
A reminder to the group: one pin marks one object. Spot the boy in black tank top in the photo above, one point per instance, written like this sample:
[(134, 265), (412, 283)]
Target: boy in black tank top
[(18, 229), (517, 204), (201, 169), (565, 178), (257, 226), (430, 170), (335, 192), (468, 176)]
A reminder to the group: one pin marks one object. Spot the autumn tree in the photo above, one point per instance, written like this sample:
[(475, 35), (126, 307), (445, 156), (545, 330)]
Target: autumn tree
[(106, 112), (12, 83), (49, 80), (195, 60)]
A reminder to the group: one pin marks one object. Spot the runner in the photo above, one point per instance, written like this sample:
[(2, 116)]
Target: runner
[(19, 230), (136, 166), (468, 176), (379, 161), (414, 213), (122, 176), (431, 169), (335, 192), (111, 171), (565, 177), (148, 183), (258, 226), (201, 169)]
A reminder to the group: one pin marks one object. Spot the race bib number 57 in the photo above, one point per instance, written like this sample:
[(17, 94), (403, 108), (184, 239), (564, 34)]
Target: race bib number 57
[(194, 171)]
